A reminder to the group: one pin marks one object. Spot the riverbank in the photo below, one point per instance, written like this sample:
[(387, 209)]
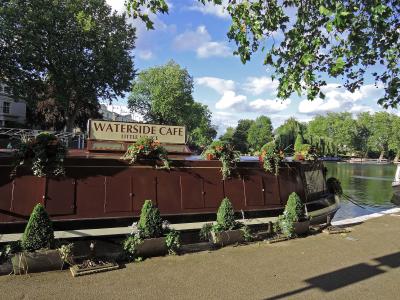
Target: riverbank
[(361, 264)]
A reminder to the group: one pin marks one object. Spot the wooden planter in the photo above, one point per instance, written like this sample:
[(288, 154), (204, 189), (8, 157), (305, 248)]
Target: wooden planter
[(302, 227), (6, 268), (229, 237), (152, 247), (76, 271), (38, 261)]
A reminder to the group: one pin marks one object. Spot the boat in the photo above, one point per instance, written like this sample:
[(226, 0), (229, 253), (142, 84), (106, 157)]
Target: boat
[(102, 190)]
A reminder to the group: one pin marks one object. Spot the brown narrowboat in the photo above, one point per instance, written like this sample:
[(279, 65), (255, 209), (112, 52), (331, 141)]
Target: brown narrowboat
[(101, 190)]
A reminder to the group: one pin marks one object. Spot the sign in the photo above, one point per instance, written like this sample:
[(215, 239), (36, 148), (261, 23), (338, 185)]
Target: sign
[(130, 132)]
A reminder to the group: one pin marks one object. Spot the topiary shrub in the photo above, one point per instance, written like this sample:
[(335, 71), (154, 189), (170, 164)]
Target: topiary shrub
[(150, 223), (39, 232), (294, 212), (226, 216)]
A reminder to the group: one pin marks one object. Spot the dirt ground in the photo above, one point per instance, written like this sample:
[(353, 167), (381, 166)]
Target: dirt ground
[(363, 264)]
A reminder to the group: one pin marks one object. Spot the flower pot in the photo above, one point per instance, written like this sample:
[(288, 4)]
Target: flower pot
[(229, 237), (299, 157), (6, 268), (302, 227), (38, 261), (152, 247)]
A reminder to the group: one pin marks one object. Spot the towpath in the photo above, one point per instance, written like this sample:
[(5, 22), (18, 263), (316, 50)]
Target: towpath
[(363, 264)]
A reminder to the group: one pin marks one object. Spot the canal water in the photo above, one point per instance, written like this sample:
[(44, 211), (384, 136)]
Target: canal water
[(369, 185)]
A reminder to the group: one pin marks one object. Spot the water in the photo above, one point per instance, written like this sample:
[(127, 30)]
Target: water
[(370, 185)]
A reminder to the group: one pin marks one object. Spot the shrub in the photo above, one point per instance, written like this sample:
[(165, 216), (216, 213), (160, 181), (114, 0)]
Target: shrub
[(226, 216), (173, 242), (271, 157), (150, 223), (298, 143), (39, 231), (294, 212)]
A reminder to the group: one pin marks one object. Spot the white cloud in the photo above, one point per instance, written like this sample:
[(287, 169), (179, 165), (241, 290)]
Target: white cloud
[(259, 85), (218, 84), (269, 105), (201, 42), (230, 100), (339, 99), (211, 9), (145, 54), (118, 5)]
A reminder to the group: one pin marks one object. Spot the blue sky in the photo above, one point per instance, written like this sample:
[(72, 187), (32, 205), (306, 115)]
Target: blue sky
[(195, 37)]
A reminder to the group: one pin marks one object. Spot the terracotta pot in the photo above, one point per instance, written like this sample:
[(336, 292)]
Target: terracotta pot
[(210, 156), (298, 157)]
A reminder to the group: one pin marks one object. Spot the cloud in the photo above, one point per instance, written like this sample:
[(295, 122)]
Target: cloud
[(259, 85), (201, 42), (218, 84), (145, 54), (339, 99), (230, 100), (118, 5), (269, 105), (211, 9)]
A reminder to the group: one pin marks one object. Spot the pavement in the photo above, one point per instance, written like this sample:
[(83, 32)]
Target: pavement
[(361, 264)]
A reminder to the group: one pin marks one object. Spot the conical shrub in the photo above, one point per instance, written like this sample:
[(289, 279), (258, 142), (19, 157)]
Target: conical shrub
[(226, 215), (39, 232), (150, 222)]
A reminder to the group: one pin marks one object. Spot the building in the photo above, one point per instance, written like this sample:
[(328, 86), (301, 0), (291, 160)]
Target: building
[(11, 110), (118, 113)]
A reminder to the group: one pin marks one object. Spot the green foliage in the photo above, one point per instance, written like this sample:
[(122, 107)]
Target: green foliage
[(6, 251), (73, 53), (226, 154), (173, 242), (271, 157), (147, 147), (260, 132), (44, 154), (248, 237), (240, 135), (38, 232), (66, 253), (340, 39), (287, 133), (130, 245), (294, 211), (226, 216), (163, 95), (150, 223), (205, 231), (298, 143)]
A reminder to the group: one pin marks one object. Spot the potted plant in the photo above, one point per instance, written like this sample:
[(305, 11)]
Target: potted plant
[(147, 148), (226, 230), (294, 221), (44, 154), (37, 242), (152, 236), (271, 158), (225, 153)]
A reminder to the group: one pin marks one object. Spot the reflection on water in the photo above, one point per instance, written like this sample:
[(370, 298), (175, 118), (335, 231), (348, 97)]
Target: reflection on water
[(368, 184)]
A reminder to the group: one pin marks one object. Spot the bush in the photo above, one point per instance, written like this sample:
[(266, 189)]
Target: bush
[(39, 232), (294, 212), (226, 216), (150, 223)]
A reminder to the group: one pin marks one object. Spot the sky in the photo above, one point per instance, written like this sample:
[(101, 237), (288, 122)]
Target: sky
[(194, 36)]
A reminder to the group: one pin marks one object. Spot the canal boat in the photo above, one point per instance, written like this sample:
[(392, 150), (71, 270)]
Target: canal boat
[(101, 190)]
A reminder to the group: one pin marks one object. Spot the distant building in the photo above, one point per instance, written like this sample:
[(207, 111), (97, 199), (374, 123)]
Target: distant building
[(118, 113), (11, 110)]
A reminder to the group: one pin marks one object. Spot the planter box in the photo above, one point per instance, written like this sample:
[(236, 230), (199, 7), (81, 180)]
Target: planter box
[(76, 271), (6, 268), (152, 247), (228, 237), (38, 261), (301, 228)]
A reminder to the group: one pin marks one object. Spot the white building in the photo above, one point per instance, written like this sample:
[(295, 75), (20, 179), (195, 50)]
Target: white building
[(11, 110), (118, 113)]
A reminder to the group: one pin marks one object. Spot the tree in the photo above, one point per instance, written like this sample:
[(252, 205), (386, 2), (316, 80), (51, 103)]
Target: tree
[(228, 135), (380, 128), (239, 137), (298, 143), (286, 133), (394, 142), (64, 55), (163, 95), (260, 132), (363, 133), (340, 39)]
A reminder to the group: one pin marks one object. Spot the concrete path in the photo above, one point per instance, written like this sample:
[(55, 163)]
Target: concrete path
[(362, 264)]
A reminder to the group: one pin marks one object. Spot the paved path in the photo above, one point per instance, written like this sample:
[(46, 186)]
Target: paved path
[(363, 264)]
